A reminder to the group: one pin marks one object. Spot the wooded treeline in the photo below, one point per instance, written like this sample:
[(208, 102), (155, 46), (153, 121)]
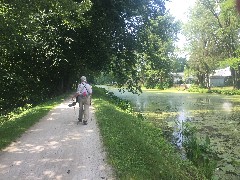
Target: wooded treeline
[(213, 39), (47, 45)]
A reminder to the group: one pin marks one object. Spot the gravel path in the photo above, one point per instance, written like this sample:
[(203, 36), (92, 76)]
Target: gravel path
[(57, 148)]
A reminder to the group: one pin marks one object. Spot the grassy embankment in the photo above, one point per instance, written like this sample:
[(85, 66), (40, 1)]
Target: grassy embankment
[(136, 149)]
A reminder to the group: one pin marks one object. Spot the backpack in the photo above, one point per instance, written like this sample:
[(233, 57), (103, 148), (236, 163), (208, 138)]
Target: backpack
[(85, 93)]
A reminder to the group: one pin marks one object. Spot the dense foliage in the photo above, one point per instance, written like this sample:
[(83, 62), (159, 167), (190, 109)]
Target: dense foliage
[(214, 90), (47, 45), (37, 55), (213, 34)]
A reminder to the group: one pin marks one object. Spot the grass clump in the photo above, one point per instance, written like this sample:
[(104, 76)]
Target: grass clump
[(215, 90), (199, 151), (137, 149), (15, 123)]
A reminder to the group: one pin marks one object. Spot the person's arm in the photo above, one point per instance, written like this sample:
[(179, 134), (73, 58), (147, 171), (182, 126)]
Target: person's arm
[(77, 93)]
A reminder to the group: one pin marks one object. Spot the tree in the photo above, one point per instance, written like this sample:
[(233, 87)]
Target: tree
[(33, 63), (179, 64), (127, 36), (201, 33), (48, 45), (213, 36), (229, 35), (157, 49)]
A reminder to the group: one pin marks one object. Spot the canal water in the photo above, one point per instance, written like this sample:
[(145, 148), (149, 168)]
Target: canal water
[(217, 116)]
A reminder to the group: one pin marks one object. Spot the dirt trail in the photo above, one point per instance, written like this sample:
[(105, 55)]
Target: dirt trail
[(57, 148)]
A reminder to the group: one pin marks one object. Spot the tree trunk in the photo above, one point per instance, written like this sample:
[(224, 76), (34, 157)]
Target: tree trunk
[(233, 73), (207, 81), (238, 78), (201, 80)]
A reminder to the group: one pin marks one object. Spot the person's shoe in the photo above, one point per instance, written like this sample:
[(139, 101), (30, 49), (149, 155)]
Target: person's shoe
[(79, 120), (85, 122)]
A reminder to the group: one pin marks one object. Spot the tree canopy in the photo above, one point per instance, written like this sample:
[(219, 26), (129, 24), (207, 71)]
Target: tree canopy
[(213, 34), (47, 45)]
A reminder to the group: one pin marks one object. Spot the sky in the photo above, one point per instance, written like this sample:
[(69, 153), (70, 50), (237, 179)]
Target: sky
[(179, 8)]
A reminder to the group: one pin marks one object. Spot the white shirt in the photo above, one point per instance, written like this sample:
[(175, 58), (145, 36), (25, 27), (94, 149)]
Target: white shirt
[(84, 88)]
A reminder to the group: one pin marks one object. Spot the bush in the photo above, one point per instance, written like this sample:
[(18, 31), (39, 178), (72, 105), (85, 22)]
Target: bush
[(195, 88)]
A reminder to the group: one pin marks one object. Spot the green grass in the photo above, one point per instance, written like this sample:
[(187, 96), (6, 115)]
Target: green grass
[(136, 149), (16, 123), (223, 88), (215, 90)]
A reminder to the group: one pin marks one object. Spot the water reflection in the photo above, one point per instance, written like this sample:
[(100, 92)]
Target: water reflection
[(178, 129), (140, 105), (227, 106), (214, 115)]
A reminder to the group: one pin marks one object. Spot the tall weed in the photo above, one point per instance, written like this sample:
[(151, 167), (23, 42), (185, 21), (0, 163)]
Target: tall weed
[(199, 151)]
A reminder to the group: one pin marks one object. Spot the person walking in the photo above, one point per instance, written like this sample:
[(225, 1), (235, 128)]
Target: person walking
[(84, 92)]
